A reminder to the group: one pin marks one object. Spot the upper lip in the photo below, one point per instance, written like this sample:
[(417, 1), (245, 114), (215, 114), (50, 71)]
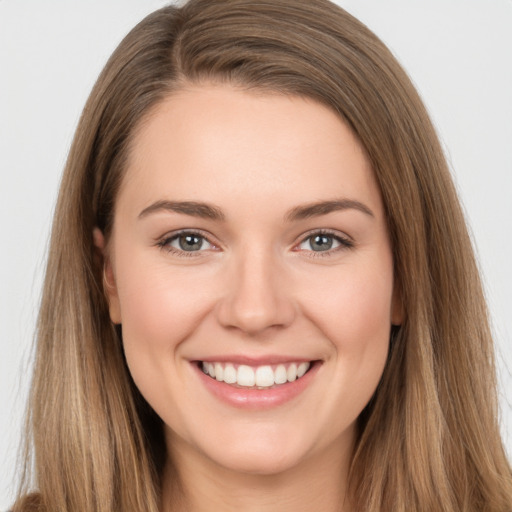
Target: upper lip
[(256, 360)]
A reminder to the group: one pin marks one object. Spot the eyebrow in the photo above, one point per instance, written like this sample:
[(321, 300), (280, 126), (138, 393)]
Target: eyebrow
[(324, 207), (208, 211), (193, 208)]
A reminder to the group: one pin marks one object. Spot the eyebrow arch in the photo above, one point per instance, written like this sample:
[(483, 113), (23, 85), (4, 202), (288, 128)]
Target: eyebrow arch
[(324, 207), (195, 209)]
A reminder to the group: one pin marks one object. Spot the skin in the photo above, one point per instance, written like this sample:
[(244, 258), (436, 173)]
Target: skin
[(256, 287)]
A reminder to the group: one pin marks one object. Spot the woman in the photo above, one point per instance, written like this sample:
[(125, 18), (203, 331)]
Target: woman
[(260, 291)]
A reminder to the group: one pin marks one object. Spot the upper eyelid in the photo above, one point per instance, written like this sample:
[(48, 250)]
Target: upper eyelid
[(345, 243), (164, 242), (186, 231), (330, 232)]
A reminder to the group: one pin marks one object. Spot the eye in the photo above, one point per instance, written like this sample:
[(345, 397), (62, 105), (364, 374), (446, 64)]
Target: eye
[(186, 242), (324, 242)]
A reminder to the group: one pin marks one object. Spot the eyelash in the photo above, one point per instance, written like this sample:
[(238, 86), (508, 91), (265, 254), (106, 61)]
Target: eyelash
[(165, 242), (345, 243)]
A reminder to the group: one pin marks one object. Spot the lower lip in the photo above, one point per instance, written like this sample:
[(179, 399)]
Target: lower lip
[(248, 398)]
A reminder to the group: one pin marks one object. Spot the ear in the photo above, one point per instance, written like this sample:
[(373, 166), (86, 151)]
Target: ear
[(109, 282), (397, 305)]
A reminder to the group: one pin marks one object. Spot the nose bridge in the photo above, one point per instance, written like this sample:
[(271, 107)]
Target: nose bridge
[(256, 297)]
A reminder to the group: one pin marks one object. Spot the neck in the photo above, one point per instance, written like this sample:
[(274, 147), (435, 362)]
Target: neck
[(193, 483)]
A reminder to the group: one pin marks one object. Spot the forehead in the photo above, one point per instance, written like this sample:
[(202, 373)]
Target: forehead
[(217, 142)]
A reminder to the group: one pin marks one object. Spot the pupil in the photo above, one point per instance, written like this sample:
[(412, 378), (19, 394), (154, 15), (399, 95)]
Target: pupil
[(321, 243), (190, 242)]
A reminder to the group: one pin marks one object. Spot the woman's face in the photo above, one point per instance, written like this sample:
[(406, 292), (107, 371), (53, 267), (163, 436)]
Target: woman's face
[(250, 243)]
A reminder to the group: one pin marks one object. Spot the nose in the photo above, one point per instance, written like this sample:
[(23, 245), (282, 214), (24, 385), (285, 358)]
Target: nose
[(256, 296)]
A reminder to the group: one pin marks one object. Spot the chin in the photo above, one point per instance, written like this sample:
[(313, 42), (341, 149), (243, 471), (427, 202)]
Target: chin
[(262, 456), (268, 464)]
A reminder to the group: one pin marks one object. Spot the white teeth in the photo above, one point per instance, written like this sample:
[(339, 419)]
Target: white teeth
[(281, 376), (219, 372), (264, 376), (229, 374), (292, 372), (245, 376), (302, 369)]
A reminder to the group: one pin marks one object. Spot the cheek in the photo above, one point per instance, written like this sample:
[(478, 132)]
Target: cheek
[(367, 309), (353, 306), (353, 311), (355, 318), (160, 305)]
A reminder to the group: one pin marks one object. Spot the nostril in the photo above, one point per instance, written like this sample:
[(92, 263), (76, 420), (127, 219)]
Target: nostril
[(254, 314)]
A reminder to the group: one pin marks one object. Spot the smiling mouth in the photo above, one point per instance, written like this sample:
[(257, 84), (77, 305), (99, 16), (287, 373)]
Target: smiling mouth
[(258, 377)]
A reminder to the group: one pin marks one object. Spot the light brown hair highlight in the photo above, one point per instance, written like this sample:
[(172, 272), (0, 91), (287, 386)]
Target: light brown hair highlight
[(429, 439)]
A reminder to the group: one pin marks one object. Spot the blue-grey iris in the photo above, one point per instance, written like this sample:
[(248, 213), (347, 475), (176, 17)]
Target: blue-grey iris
[(190, 242), (321, 242)]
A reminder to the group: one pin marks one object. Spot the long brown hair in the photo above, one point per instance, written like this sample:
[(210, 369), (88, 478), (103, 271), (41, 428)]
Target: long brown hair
[(429, 439)]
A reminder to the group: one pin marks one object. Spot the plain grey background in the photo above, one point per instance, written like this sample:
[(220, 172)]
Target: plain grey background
[(458, 53)]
